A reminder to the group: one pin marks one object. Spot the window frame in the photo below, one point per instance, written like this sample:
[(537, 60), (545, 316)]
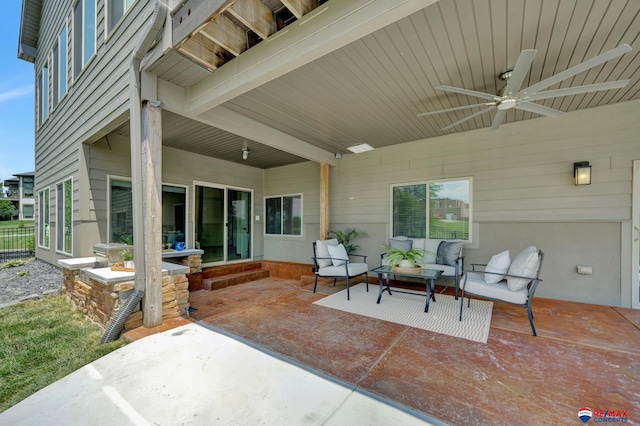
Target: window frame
[(44, 218), (110, 27), (282, 227), (79, 57), (63, 61), (469, 179), (24, 214), (110, 211), (43, 89), (62, 221)]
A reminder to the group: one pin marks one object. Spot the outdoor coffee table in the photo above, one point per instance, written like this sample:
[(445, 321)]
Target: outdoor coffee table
[(428, 275)]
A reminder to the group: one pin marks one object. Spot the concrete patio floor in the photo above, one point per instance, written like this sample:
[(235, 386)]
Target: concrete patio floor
[(584, 356)]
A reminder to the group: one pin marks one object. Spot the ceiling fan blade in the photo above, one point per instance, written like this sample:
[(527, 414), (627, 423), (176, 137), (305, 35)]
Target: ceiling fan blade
[(539, 109), (577, 69), (455, 109), (497, 120), (523, 64), (474, 115), (467, 92), (577, 90)]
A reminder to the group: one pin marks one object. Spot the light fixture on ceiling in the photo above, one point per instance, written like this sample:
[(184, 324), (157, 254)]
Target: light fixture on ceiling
[(338, 155), (360, 148), (582, 173), (245, 153)]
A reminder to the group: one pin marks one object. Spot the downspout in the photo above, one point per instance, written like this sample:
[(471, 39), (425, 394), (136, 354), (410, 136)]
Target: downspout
[(157, 23), (135, 107)]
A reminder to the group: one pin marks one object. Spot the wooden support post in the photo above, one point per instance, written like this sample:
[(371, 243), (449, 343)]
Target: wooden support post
[(151, 174), (324, 201)]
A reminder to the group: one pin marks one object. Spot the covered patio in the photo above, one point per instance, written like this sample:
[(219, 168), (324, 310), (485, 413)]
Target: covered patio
[(584, 356)]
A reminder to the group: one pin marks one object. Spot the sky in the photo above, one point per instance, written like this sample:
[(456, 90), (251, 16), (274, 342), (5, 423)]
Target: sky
[(17, 132)]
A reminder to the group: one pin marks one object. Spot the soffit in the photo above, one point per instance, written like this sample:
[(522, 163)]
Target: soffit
[(371, 90), (189, 135)]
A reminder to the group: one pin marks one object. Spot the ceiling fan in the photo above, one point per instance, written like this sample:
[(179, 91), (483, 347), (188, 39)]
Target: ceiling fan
[(511, 96)]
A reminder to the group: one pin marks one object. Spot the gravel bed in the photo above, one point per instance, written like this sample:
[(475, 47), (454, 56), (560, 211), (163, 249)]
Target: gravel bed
[(43, 279)]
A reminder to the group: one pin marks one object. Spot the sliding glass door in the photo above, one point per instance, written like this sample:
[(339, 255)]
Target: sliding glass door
[(223, 223)]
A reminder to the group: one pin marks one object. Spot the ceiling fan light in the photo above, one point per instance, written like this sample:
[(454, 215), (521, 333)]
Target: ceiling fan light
[(507, 104)]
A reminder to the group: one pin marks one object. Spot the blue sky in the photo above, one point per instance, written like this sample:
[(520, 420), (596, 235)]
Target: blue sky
[(16, 99)]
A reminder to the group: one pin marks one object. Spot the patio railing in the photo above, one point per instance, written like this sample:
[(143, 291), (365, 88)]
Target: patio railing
[(17, 243)]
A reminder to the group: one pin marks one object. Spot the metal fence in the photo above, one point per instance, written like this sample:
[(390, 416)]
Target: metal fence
[(444, 233), (17, 243)]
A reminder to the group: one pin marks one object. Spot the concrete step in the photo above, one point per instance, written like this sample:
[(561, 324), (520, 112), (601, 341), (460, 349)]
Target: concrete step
[(233, 268), (222, 281)]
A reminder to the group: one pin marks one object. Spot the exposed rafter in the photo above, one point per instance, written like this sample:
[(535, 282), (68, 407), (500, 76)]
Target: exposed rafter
[(212, 32)]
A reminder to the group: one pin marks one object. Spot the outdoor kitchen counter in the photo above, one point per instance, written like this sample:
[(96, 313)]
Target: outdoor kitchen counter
[(107, 276)]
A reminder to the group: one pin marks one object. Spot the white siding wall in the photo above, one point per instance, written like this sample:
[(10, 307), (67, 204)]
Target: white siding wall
[(523, 194)]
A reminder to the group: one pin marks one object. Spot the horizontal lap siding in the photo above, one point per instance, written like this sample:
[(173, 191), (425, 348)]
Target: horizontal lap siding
[(97, 100), (523, 193)]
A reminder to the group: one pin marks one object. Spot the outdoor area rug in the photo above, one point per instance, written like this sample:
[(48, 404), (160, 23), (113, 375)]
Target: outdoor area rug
[(408, 309)]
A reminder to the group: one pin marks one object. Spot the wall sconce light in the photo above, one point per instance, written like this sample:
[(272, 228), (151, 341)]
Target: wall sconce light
[(582, 173), (245, 153)]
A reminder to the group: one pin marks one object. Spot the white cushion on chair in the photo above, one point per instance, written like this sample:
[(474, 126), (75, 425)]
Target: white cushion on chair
[(498, 266), (475, 284), (339, 271), (338, 254), (525, 264), (322, 251)]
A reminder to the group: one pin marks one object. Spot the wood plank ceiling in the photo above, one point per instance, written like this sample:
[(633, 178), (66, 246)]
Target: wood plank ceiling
[(372, 89)]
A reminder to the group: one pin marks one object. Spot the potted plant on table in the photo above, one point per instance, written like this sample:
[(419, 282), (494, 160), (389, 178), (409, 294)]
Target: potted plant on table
[(127, 259), (406, 261)]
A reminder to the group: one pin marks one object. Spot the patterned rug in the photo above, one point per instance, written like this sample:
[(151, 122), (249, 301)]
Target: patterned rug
[(408, 309)]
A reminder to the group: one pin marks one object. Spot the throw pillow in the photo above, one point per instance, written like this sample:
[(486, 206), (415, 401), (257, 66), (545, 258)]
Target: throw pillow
[(449, 252), (338, 255), (498, 266), (404, 245), (323, 252), (525, 264)]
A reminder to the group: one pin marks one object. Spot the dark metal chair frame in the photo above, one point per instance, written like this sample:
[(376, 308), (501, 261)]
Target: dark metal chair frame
[(531, 289), (316, 269)]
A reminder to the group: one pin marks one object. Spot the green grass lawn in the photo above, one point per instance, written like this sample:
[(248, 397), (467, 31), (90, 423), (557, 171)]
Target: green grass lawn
[(42, 341), (15, 223)]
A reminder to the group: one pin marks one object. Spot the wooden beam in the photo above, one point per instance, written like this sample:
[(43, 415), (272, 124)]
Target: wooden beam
[(202, 50), (225, 33), (151, 172), (299, 8), (255, 15), (324, 201), (193, 15)]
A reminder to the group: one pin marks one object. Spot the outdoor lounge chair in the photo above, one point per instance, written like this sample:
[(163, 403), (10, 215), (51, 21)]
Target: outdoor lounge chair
[(505, 281), (330, 260)]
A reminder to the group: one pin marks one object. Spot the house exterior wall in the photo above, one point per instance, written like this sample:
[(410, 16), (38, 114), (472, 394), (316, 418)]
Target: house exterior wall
[(523, 194), (96, 102), (110, 158)]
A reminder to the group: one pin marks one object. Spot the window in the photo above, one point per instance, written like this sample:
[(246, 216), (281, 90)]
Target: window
[(284, 215), (174, 200), (438, 209), (43, 88), (64, 216), (27, 186), (84, 34), (27, 211), (43, 218), (60, 66), (117, 9)]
